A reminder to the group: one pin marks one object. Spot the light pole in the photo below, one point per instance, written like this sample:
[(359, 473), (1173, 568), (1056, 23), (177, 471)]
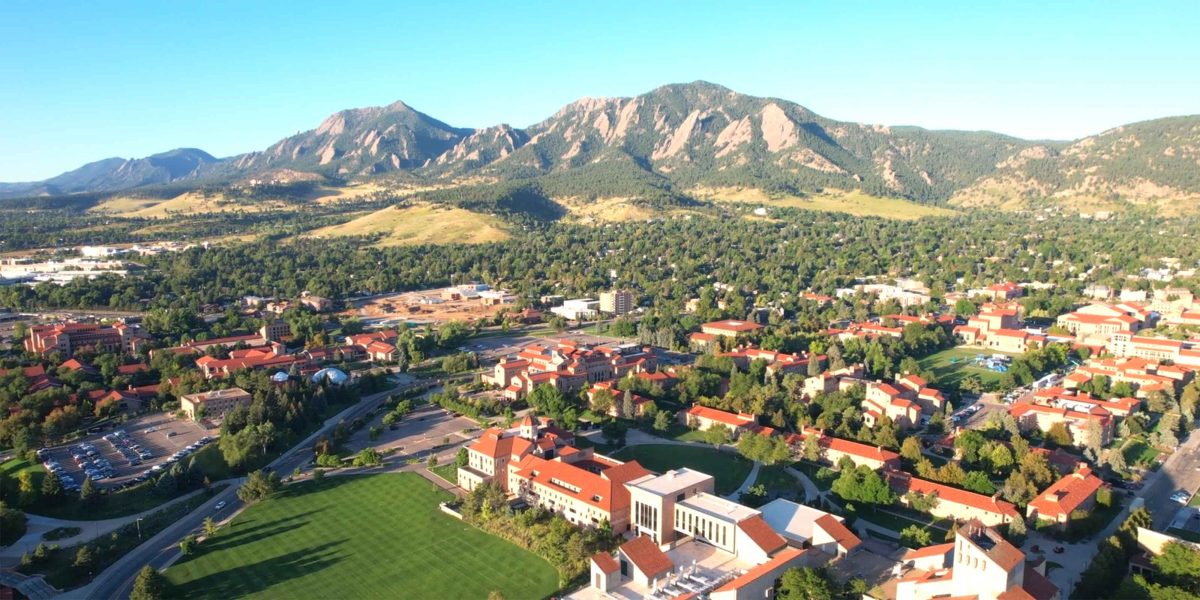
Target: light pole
[(139, 527)]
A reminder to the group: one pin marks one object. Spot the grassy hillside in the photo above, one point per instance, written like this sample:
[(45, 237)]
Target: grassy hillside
[(189, 203), (420, 224), (850, 202)]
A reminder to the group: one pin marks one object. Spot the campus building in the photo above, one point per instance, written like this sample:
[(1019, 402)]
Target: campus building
[(1029, 415), (689, 542), (1071, 497), (68, 338), (979, 564), (1181, 353), (954, 503), (704, 418), (1096, 323), (1144, 375), (215, 403), (567, 366)]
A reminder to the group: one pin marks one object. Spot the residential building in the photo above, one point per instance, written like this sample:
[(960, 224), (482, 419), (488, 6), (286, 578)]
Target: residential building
[(315, 303), (215, 403), (1180, 352), (954, 503), (585, 488), (999, 328), (640, 403), (1069, 498), (907, 293), (704, 418), (979, 564), (1084, 402), (1043, 417), (887, 400), (377, 346), (275, 331), (68, 338), (998, 292), (1144, 375), (616, 302), (833, 381)]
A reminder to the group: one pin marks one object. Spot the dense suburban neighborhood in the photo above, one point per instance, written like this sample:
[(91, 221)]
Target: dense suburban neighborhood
[(919, 453)]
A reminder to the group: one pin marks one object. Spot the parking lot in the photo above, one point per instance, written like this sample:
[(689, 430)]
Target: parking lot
[(123, 453)]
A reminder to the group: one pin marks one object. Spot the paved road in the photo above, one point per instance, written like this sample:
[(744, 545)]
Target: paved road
[(1178, 472), (117, 580)]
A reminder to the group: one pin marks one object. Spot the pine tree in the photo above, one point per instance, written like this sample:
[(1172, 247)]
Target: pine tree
[(149, 585)]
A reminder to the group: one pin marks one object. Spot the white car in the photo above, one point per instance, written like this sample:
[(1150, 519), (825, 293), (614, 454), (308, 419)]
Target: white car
[(219, 506), (1181, 497)]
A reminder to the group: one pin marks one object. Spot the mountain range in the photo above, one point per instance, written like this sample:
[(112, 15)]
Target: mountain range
[(683, 137)]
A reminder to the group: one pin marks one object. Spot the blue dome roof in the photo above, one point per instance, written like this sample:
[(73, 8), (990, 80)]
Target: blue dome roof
[(280, 377), (332, 375)]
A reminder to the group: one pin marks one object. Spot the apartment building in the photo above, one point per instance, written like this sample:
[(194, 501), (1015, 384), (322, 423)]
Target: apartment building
[(887, 400), (1180, 352), (215, 403), (834, 381), (1144, 375), (1072, 496), (1043, 417), (616, 302), (1079, 401)]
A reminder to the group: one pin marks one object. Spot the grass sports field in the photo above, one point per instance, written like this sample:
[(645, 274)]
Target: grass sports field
[(729, 469), (953, 364), (374, 536)]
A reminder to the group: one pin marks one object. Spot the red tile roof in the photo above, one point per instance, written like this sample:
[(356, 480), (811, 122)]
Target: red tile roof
[(606, 562), (647, 557), (838, 531), (904, 483), (762, 535), (928, 551), (754, 574), (1067, 494), (712, 414)]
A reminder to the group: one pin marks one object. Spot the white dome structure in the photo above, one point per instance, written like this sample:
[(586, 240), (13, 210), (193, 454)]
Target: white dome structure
[(331, 375)]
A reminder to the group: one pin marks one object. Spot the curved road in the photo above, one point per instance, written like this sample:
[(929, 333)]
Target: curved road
[(160, 550)]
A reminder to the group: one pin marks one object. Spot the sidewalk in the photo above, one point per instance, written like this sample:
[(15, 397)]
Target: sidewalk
[(89, 530)]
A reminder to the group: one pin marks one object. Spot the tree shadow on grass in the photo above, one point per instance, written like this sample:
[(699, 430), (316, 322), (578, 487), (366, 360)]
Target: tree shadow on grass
[(247, 531), (247, 579)]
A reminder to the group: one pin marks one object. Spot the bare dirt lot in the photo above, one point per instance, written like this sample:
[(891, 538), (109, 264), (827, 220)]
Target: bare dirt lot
[(425, 306)]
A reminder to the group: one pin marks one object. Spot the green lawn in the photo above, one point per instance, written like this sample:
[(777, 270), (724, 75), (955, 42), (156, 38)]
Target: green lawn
[(372, 536), (811, 470), (729, 469), (953, 364), (11, 469), (449, 472), (1138, 452), (779, 483)]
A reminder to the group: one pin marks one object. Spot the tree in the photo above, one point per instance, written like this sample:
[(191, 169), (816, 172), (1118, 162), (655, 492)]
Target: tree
[(210, 526), (1058, 435), (662, 421), (1180, 566), (1001, 458), (915, 536), (84, 560), (803, 583), (977, 481), (149, 585), (628, 411), (186, 545), (258, 486), (717, 434), (27, 493), (911, 449), (432, 461), (863, 484), (461, 458), (812, 448), (369, 457), (88, 494), (614, 432)]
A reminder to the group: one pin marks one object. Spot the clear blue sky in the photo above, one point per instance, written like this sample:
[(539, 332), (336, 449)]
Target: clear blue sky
[(80, 81)]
